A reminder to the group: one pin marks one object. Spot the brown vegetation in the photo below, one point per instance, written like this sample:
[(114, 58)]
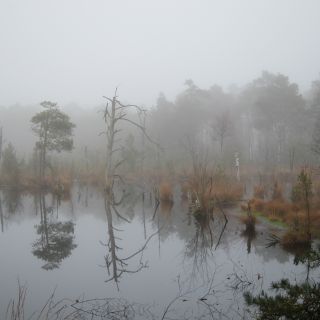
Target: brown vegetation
[(294, 238), (249, 219), (301, 215), (277, 193), (166, 192), (259, 192)]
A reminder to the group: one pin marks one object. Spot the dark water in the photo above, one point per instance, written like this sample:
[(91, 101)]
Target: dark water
[(173, 254)]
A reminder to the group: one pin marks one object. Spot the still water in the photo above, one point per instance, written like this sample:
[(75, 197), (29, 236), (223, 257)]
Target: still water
[(158, 258)]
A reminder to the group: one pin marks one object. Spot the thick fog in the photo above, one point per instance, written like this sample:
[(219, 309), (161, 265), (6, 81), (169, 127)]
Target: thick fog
[(159, 159), (77, 50)]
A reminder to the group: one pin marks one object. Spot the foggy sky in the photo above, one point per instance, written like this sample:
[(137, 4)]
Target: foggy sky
[(77, 50)]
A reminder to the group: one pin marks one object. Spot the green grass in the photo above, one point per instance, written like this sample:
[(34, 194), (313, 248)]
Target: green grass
[(265, 219)]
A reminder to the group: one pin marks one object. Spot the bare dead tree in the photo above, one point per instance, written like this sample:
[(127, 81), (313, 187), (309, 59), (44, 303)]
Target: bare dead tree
[(114, 114)]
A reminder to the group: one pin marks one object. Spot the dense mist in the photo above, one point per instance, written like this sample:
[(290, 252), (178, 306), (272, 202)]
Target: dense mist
[(76, 51), (159, 159)]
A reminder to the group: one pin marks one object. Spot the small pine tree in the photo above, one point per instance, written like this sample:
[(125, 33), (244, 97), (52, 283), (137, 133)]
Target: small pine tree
[(305, 187), (292, 301), (54, 131), (10, 167)]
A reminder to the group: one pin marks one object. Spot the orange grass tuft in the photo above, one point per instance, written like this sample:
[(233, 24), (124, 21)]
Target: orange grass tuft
[(165, 192)]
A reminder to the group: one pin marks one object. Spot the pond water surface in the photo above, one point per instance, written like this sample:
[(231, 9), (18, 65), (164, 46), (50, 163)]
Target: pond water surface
[(160, 260)]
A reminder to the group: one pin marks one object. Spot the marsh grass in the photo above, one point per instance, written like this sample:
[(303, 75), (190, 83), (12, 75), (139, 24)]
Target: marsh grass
[(166, 192)]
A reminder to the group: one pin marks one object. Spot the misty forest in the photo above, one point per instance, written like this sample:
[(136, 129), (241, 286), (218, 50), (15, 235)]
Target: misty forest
[(181, 184)]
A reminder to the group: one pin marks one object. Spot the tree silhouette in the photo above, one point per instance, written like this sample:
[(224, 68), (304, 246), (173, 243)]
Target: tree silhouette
[(54, 131)]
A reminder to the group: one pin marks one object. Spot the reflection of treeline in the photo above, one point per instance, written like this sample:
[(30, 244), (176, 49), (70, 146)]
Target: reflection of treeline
[(10, 203)]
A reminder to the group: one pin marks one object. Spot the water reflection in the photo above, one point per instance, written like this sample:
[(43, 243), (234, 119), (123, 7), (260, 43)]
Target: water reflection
[(192, 246), (250, 234), (10, 204), (290, 299), (310, 258), (118, 265), (201, 243), (56, 240), (12, 201)]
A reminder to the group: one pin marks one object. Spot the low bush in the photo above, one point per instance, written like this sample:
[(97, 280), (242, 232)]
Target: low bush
[(259, 192), (166, 192)]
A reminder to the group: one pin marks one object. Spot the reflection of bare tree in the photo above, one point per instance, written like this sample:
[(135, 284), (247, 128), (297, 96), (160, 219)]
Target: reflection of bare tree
[(201, 244), (56, 237), (116, 265), (208, 231)]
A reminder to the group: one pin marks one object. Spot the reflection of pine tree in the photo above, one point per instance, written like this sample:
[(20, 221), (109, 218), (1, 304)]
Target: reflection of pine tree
[(56, 240)]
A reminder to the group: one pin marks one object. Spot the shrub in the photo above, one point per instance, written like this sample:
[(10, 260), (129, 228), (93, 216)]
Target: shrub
[(259, 192), (277, 208), (226, 193), (277, 193), (258, 205), (295, 238)]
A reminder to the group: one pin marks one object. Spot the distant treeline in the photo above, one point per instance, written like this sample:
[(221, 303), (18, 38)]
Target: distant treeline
[(268, 123)]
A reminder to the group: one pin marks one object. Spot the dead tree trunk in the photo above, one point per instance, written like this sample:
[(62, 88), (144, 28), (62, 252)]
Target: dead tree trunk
[(114, 115)]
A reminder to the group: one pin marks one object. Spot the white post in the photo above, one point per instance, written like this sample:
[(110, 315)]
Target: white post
[(237, 165)]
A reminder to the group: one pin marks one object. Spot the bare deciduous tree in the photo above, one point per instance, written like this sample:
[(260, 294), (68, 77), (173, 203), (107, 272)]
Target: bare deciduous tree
[(221, 128)]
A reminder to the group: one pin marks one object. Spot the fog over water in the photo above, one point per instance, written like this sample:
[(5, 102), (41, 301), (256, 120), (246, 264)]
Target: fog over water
[(76, 50), (159, 159)]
